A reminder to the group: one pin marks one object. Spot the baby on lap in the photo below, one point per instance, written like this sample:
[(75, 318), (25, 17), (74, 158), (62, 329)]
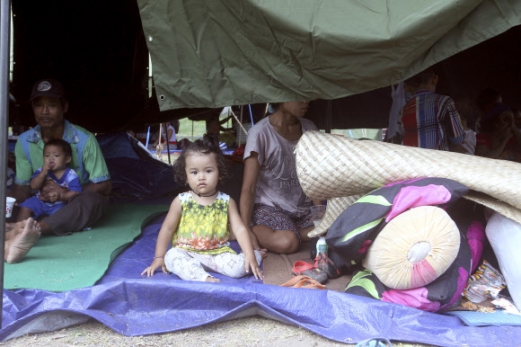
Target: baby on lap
[(57, 153)]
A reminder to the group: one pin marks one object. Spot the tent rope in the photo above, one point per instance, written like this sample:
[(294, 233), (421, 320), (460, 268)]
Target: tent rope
[(238, 121)]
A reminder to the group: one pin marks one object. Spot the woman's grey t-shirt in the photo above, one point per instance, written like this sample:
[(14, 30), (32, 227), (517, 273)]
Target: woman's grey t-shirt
[(277, 184)]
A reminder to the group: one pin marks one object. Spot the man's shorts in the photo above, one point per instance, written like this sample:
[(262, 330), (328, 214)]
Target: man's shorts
[(279, 219)]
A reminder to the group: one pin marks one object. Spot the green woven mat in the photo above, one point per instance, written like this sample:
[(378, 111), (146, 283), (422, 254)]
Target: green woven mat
[(61, 263)]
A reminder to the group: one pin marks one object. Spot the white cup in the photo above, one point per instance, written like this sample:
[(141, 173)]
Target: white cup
[(9, 205)]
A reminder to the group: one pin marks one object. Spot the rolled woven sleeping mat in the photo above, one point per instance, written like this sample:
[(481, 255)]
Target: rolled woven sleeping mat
[(331, 166), (335, 206)]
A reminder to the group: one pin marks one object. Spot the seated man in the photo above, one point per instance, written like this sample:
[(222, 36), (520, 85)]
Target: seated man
[(82, 210)]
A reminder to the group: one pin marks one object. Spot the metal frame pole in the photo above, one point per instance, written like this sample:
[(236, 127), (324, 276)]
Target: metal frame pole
[(329, 116), (5, 15), (167, 144)]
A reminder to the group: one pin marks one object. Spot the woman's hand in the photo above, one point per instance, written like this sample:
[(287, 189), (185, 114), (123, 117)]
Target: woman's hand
[(254, 241), (255, 269), (157, 263)]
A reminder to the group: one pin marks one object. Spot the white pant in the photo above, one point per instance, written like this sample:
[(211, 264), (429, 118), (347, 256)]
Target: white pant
[(192, 266)]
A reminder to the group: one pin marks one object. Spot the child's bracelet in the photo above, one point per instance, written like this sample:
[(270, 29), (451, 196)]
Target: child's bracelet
[(159, 257)]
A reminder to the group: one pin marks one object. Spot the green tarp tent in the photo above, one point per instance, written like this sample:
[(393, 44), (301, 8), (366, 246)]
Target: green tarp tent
[(227, 52), (211, 53)]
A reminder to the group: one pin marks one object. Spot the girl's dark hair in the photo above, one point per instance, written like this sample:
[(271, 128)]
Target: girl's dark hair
[(64, 145), (207, 145)]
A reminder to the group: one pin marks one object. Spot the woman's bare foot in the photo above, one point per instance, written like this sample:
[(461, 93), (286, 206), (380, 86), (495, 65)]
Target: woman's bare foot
[(22, 242), (263, 252), (212, 279)]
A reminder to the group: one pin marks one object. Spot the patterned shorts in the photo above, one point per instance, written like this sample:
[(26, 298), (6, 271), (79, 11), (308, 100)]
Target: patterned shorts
[(279, 219)]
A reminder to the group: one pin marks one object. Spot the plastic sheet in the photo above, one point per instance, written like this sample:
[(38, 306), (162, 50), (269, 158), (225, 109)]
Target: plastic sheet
[(133, 305), (133, 171)]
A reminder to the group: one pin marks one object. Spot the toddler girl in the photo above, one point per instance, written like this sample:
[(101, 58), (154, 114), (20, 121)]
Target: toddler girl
[(197, 222)]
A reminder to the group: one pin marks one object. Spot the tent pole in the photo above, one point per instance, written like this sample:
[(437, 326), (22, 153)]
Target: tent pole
[(168, 145), (159, 148), (329, 116), (5, 11), (239, 122), (148, 137)]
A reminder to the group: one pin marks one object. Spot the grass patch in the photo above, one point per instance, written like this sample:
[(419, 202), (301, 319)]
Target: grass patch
[(193, 130)]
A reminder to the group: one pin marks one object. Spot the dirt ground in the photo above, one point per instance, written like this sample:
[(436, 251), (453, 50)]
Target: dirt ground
[(252, 331)]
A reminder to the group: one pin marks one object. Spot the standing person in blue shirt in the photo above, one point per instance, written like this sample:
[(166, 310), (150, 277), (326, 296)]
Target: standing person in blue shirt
[(83, 209)]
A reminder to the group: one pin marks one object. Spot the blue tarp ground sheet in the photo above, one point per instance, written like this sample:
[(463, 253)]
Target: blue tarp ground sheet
[(133, 305)]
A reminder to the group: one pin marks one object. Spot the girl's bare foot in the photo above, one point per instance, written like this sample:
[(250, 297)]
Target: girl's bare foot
[(212, 279), (22, 242)]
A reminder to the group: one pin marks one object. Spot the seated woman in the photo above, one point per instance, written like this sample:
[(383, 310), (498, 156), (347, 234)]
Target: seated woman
[(272, 204), (214, 126), (499, 137), (168, 135)]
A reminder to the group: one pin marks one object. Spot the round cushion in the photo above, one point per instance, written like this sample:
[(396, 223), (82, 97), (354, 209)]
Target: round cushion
[(414, 248)]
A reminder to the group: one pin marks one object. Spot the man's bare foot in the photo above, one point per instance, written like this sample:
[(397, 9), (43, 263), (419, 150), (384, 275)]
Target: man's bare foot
[(22, 242), (9, 226), (212, 279), (12, 229)]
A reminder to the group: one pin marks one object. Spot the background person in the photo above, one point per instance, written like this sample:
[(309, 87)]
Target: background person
[(465, 108), (486, 99), (430, 120), (168, 135), (499, 137)]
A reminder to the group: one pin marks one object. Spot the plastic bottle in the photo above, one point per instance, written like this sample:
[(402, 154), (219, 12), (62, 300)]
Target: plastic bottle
[(321, 245)]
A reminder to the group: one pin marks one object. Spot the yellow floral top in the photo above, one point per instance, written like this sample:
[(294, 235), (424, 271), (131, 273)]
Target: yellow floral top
[(203, 229)]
